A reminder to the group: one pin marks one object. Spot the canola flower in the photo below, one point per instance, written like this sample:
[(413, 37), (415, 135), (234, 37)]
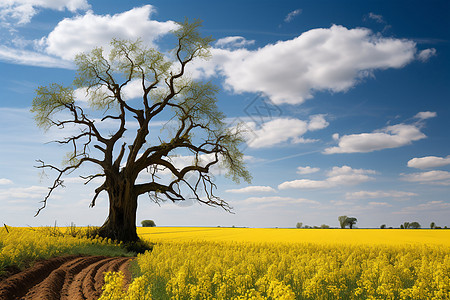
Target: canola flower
[(20, 246), (291, 235), (236, 268)]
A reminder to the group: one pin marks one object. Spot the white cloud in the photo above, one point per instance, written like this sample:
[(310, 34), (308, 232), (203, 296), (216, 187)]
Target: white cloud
[(277, 131), (342, 203), (23, 193), (133, 90), (283, 130), (346, 170), (378, 194), (21, 11), (428, 162), (430, 177), (252, 189), (390, 137), (5, 181), (277, 201), (32, 58), (82, 33), (305, 184), (425, 55), (425, 115), (324, 59), (378, 204), (338, 176), (290, 16), (233, 42), (317, 122), (430, 206), (307, 170)]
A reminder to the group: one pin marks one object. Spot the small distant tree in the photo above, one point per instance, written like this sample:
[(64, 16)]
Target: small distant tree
[(414, 225), (406, 225), (402, 226), (324, 226), (299, 225), (432, 225), (351, 221), (342, 221), (383, 226), (148, 223)]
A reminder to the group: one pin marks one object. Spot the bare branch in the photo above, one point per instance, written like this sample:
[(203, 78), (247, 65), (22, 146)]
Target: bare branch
[(89, 178), (58, 182), (97, 192)]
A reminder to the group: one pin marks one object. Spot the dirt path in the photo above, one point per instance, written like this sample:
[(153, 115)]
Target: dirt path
[(70, 277)]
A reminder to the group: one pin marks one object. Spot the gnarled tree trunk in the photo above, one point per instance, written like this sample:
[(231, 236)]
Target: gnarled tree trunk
[(121, 222)]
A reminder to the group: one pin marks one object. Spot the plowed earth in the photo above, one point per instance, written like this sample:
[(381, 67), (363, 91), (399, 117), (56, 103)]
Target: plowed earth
[(69, 277)]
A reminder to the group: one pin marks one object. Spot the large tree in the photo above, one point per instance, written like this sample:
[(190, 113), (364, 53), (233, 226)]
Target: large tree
[(343, 221), (195, 129), (351, 221)]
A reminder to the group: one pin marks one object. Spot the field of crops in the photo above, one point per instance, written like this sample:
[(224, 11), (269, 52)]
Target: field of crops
[(239, 263), (20, 246)]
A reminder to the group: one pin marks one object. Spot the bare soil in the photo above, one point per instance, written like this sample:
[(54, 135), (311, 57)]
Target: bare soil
[(68, 277)]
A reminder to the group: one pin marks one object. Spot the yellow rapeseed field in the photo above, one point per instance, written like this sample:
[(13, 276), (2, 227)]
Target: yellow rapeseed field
[(290, 235), (239, 263)]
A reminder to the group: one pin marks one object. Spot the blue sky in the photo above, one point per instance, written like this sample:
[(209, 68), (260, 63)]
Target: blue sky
[(345, 102)]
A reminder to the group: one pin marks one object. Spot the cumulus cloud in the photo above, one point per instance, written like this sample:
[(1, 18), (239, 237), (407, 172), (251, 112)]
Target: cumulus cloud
[(428, 162), (307, 170), (283, 130), (431, 177), (252, 189), (290, 16), (390, 137), (337, 176), (317, 122), (346, 170), (378, 194), (423, 115), (82, 33), (324, 59), (233, 42), (21, 11), (5, 181)]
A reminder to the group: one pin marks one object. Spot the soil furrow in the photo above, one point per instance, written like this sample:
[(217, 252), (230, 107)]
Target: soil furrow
[(99, 278), (70, 277), (17, 286), (87, 279)]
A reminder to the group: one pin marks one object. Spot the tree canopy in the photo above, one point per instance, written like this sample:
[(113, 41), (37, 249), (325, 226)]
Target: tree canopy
[(194, 127)]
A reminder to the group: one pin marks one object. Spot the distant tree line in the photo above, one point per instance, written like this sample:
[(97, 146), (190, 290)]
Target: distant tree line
[(349, 222), (323, 226)]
